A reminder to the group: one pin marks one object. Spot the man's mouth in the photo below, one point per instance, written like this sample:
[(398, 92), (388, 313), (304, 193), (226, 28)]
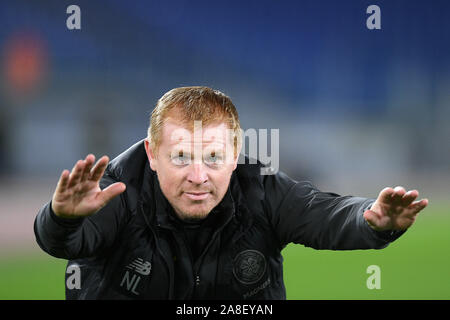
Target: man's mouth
[(197, 195)]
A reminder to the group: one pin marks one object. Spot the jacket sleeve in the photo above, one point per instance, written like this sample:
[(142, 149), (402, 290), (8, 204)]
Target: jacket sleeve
[(300, 213), (80, 237)]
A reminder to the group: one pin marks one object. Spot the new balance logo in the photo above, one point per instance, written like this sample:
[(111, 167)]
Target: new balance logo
[(140, 266)]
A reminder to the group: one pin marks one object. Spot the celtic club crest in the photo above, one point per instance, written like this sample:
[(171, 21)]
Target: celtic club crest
[(249, 266)]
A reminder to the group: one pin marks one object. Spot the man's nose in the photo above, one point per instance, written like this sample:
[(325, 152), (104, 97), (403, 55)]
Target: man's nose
[(198, 174)]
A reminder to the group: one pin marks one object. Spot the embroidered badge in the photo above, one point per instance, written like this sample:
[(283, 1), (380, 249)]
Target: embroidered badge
[(249, 266)]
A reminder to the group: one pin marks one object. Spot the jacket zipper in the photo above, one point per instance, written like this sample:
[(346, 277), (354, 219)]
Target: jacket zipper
[(182, 241), (200, 259), (197, 265), (197, 280), (158, 248)]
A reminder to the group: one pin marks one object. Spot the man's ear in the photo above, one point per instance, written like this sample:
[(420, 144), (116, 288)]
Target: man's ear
[(150, 154), (236, 156)]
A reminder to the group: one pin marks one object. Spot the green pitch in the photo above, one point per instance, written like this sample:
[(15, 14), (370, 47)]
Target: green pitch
[(417, 266)]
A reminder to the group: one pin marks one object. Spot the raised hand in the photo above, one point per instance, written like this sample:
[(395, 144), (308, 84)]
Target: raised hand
[(394, 209), (78, 193)]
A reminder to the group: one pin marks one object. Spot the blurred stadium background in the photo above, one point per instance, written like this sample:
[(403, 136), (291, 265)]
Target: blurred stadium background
[(357, 110)]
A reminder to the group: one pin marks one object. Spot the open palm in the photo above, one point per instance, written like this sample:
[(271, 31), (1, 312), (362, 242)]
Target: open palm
[(78, 193), (394, 209)]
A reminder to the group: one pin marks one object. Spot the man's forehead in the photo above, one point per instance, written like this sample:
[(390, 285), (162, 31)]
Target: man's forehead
[(175, 132)]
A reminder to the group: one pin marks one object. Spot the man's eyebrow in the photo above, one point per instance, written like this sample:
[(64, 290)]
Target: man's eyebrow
[(179, 149), (219, 142), (179, 142)]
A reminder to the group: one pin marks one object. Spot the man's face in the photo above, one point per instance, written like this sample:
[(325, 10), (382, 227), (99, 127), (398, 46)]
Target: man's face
[(193, 168)]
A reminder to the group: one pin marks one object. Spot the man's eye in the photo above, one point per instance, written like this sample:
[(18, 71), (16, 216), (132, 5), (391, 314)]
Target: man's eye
[(181, 158), (213, 158)]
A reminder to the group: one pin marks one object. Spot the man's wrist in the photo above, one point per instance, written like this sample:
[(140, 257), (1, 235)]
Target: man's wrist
[(62, 221), (386, 235)]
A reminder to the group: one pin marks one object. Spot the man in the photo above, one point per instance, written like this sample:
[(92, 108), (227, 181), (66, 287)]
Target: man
[(176, 217)]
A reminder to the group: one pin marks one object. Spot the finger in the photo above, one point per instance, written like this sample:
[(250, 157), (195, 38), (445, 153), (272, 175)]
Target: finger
[(63, 181), (111, 191), (417, 206), (99, 168), (90, 159), (75, 175), (409, 197), (386, 195), (399, 192)]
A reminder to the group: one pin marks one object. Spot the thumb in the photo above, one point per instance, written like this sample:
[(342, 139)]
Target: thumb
[(111, 191), (372, 218)]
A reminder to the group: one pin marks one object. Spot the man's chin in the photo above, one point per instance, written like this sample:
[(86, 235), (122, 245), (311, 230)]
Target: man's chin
[(193, 214), (193, 219)]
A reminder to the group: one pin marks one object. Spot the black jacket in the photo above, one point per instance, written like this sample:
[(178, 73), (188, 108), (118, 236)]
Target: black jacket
[(132, 249)]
